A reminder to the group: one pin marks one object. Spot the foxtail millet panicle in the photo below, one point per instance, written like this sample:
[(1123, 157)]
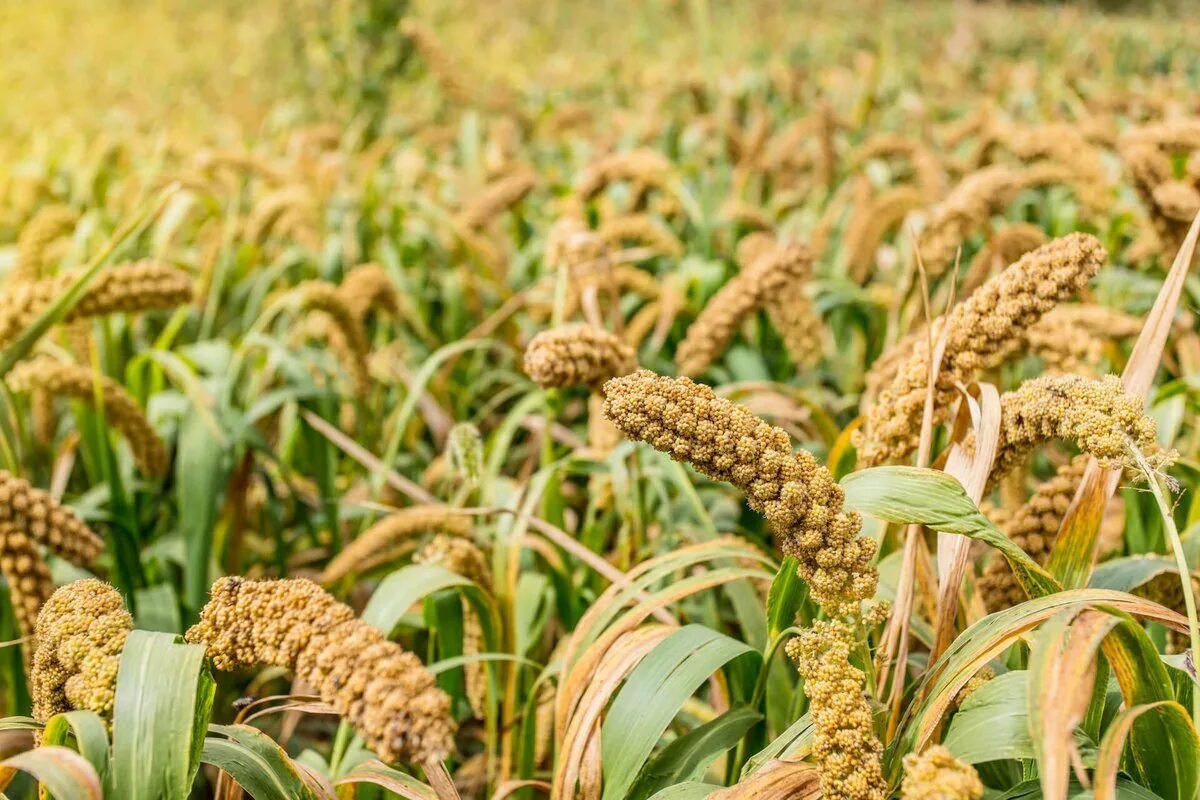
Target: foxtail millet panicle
[(208, 161), (1165, 199), (605, 277), (1097, 415), (461, 556), (49, 223), (641, 228), (46, 521), (963, 211), (139, 286), (368, 288), (1177, 200), (352, 348), (981, 332), (28, 579), (872, 222), (389, 531), (710, 333), (289, 210), (644, 166), (727, 442), (846, 749), (926, 171), (936, 774), (1072, 337), (577, 355), (1005, 247), (63, 379), (80, 634), (496, 198), (790, 310), (385, 692), (1065, 146)]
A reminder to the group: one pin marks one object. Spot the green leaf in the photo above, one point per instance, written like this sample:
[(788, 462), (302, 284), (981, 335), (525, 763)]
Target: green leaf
[(200, 474), (405, 587), (377, 773), (1162, 754), (256, 763), (993, 723), (158, 609), (691, 790), (786, 595), (91, 737), (653, 694), (1032, 790), (906, 495), (1127, 574), (65, 773), (987, 639), (798, 736), (687, 758), (164, 698)]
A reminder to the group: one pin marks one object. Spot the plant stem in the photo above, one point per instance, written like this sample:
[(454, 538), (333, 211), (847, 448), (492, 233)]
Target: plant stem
[(1185, 574)]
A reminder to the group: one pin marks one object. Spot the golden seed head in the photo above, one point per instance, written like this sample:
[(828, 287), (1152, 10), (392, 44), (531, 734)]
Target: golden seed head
[(368, 288), (937, 775), (1072, 338), (767, 281), (872, 222), (350, 341), (121, 411), (968, 205), (80, 633), (727, 442), (456, 554), (1005, 247), (973, 685), (48, 224), (645, 167), (384, 691), (496, 198), (385, 534), (643, 229), (128, 288), (28, 579), (1177, 200), (981, 332), (1097, 415), (47, 522), (845, 747), (577, 355)]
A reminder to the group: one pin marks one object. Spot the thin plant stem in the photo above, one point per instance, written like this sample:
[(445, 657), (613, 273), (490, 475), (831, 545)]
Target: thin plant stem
[(1185, 574)]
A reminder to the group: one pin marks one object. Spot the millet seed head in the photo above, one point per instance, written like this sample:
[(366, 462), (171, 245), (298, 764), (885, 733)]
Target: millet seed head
[(577, 355), (981, 333), (937, 775), (727, 442), (80, 634), (385, 692)]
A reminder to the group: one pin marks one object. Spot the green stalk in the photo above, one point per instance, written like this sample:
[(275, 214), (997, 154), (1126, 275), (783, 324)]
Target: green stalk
[(1185, 574), (760, 689), (341, 741), (63, 305)]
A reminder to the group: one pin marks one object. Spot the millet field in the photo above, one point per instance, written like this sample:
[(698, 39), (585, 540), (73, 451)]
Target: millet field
[(561, 400)]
